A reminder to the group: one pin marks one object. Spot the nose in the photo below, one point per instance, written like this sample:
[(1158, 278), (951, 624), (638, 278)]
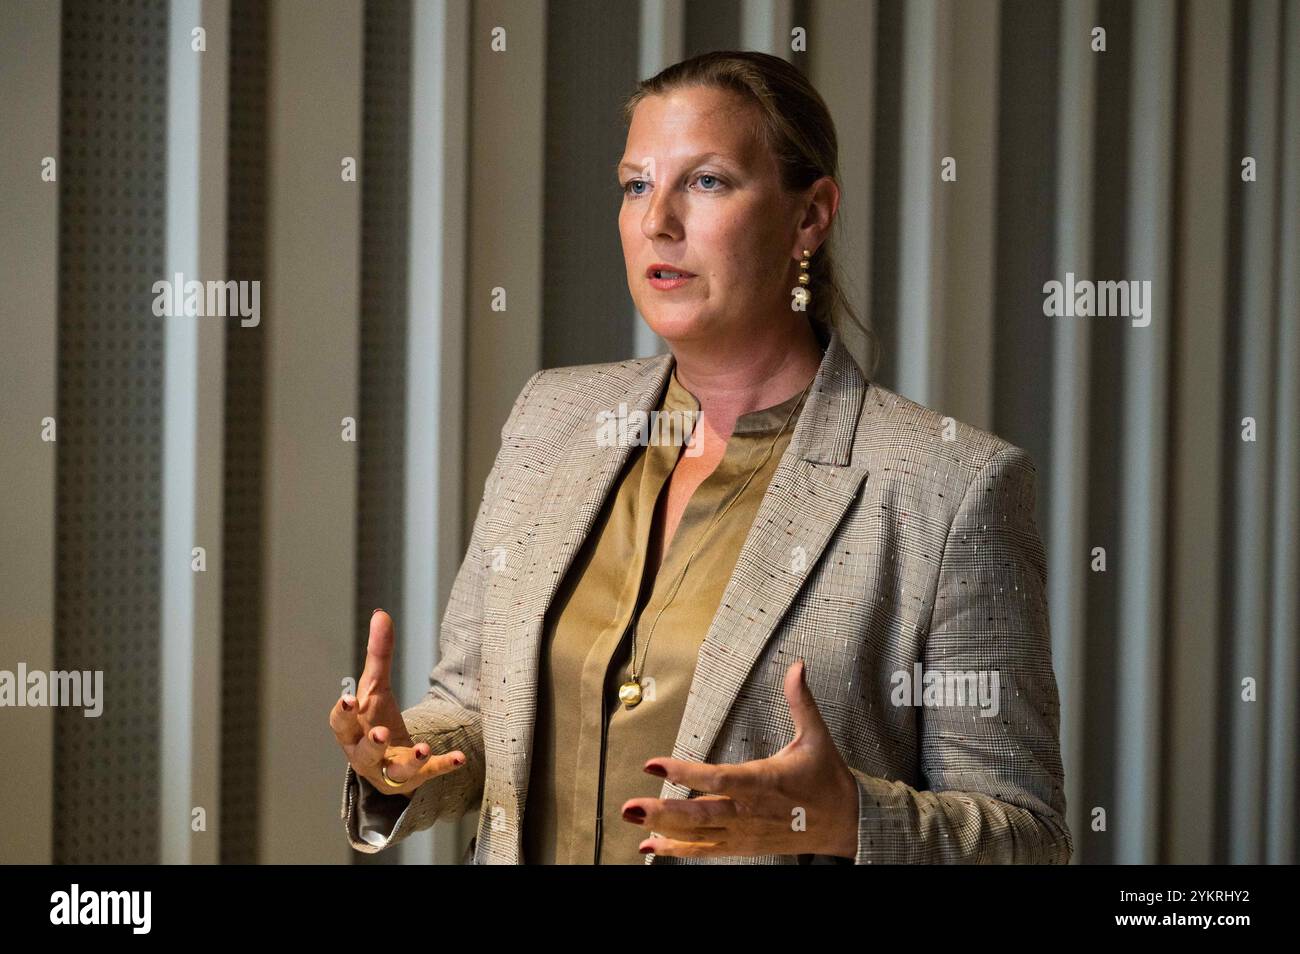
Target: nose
[(661, 220)]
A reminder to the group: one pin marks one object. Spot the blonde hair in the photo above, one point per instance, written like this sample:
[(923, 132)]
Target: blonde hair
[(792, 121)]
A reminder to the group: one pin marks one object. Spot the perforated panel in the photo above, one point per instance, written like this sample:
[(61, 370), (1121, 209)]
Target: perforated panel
[(591, 66), (111, 251), (385, 177), (245, 389)]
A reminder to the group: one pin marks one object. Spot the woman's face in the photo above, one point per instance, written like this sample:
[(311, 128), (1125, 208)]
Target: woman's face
[(701, 196)]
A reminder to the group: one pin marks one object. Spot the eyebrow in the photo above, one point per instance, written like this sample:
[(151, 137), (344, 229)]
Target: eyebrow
[(692, 161)]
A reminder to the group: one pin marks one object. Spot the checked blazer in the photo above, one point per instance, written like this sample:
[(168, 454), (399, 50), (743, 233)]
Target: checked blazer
[(889, 536)]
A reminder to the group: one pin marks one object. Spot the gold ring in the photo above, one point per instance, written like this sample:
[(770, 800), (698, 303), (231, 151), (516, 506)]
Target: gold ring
[(383, 770)]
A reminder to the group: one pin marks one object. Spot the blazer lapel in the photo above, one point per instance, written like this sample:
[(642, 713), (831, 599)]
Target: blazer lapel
[(573, 499), (812, 487)]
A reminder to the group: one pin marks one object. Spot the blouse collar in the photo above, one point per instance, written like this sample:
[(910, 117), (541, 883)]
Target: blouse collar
[(765, 420)]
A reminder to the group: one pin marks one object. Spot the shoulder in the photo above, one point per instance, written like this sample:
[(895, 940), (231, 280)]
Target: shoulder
[(560, 400), (931, 454)]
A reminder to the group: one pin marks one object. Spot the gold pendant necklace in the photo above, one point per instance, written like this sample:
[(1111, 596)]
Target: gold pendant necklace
[(630, 692)]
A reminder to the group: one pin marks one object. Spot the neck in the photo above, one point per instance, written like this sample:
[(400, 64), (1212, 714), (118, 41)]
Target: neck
[(733, 377)]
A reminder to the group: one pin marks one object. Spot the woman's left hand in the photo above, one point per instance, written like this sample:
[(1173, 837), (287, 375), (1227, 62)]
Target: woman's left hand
[(802, 800)]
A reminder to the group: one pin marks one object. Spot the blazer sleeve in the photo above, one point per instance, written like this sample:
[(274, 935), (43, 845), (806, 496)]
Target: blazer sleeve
[(448, 717), (996, 784)]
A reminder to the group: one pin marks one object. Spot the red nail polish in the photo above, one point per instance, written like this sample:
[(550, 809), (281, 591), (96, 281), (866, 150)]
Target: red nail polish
[(657, 770), (646, 850), (457, 761), (373, 612), (634, 814)]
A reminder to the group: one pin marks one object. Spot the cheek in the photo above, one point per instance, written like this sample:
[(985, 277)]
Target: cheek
[(737, 248)]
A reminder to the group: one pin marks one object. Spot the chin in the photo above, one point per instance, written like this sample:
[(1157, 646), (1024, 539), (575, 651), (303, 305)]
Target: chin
[(676, 326)]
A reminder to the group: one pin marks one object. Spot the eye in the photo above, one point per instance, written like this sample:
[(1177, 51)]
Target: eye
[(711, 182)]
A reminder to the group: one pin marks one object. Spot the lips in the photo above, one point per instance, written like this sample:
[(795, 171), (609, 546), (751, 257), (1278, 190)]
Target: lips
[(661, 271)]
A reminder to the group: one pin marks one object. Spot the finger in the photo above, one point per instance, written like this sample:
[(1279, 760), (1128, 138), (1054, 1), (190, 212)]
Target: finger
[(403, 764), (803, 707), (410, 767), (379, 653), (707, 818), (343, 720), (369, 753), (435, 765), (734, 779)]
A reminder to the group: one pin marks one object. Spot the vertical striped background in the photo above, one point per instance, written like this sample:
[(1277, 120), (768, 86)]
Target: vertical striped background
[(483, 134)]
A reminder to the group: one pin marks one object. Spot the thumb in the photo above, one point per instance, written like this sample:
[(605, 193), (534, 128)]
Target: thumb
[(803, 708)]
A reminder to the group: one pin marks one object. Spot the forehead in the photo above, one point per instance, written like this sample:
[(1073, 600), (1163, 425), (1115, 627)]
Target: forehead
[(691, 122)]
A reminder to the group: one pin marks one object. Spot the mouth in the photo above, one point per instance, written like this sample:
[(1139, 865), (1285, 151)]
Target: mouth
[(662, 272)]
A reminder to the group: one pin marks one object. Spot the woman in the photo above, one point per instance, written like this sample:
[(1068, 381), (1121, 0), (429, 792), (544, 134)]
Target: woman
[(821, 622)]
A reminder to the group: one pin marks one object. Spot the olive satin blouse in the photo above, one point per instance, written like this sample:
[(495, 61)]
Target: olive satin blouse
[(588, 748)]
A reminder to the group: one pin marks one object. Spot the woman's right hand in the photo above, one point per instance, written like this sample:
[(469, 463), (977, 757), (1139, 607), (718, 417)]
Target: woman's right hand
[(370, 728)]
